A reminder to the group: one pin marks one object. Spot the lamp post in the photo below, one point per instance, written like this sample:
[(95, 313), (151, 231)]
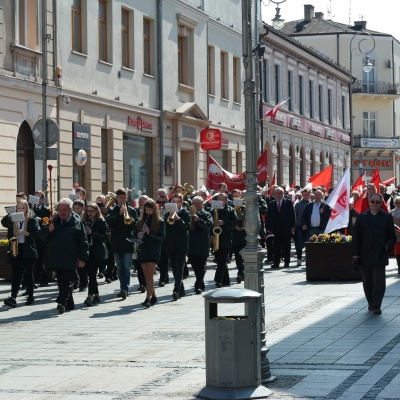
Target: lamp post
[(252, 254), (367, 66), (277, 21)]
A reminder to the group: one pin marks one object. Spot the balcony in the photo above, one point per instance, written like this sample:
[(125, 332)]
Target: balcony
[(377, 87)]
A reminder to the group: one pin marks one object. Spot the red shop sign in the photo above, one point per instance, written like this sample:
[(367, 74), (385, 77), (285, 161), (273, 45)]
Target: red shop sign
[(210, 139)]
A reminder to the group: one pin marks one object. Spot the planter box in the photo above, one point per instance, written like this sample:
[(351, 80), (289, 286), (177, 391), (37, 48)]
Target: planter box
[(5, 267), (329, 261)]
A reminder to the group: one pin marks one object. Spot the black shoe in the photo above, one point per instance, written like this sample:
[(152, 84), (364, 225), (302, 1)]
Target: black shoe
[(146, 303), (182, 293), (70, 307), (25, 293), (153, 300), (108, 280), (36, 286), (161, 284), (218, 285), (198, 291), (42, 284), (100, 275), (175, 296), (377, 310), (286, 266), (30, 300), (96, 299), (88, 301), (275, 266), (141, 288), (10, 302), (60, 308), (239, 279), (123, 294)]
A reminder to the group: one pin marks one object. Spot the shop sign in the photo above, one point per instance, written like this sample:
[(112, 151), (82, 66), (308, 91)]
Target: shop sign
[(384, 163), (81, 136), (380, 143), (211, 139), (81, 157), (140, 124), (296, 122), (316, 129)]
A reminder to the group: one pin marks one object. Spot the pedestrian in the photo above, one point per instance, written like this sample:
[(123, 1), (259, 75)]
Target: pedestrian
[(300, 235), (373, 238), (96, 230), (25, 234), (396, 218), (67, 248), (151, 232)]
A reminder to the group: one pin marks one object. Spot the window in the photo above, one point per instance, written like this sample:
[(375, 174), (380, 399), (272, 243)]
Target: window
[(311, 98), (211, 70), (76, 19), (330, 107), (183, 55), (290, 90), (369, 124), (344, 115), (369, 79), (125, 42), (224, 75), (147, 46), (301, 95), (104, 156), (26, 23), (102, 20), (236, 80), (321, 102), (276, 83), (265, 80)]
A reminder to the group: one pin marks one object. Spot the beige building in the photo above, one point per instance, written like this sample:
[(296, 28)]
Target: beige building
[(375, 94)]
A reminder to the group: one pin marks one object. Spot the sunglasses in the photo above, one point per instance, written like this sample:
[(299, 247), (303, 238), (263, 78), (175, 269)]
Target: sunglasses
[(374, 202)]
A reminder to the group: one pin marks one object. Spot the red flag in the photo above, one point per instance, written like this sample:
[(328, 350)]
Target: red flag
[(216, 175), (322, 178), (358, 205), (272, 184), (359, 184), (272, 113), (262, 167), (376, 180), (389, 181), (293, 185)]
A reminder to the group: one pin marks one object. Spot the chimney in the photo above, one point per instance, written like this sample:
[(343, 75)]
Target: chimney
[(360, 25), (319, 15), (308, 12)]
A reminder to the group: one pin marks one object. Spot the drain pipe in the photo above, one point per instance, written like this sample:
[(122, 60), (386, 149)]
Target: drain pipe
[(160, 89)]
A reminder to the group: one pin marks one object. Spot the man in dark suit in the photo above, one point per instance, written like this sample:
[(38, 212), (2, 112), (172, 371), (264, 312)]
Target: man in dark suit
[(281, 223), (316, 215)]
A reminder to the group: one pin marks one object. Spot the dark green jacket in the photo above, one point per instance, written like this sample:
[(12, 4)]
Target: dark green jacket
[(176, 235), (199, 237), (228, 215), (121, 231), (66, 244), (30, 241), (97, 240), (150, 249)]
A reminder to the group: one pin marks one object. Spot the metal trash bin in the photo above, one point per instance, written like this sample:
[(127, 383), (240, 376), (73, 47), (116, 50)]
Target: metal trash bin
[(233, 347)]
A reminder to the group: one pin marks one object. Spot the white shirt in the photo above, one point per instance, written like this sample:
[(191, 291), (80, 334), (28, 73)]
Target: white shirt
[(315, 215)]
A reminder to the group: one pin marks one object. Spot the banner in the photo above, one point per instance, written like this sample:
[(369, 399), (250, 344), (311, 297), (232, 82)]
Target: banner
[(262, 167), (216, 175), (339, 201)]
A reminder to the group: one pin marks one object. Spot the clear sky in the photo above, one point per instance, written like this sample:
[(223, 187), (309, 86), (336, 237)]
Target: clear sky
[(381, 15)]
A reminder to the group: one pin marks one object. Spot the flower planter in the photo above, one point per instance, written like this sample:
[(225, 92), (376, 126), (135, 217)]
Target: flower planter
[(329, 261), (5, 267)]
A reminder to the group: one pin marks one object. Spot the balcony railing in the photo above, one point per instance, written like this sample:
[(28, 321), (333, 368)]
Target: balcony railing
[(376, 87)]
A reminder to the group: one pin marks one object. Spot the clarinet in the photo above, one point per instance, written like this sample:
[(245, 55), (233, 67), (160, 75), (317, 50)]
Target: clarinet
[(90, 237)]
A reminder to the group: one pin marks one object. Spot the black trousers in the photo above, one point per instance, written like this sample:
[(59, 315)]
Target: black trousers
[(281, 249), (374, 284), (222, 274), (65, 280), (163, 266), (177, 260), (92, 268), (270, 248), (22, 268), (199, 268), (239, 259)]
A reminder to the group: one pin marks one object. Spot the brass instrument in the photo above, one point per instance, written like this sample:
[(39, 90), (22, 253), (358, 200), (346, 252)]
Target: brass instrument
[(216, 231), (240, 210), (189, 189), (127, 218), (171, 218), (14, 241), (193, 211), (111, 201)]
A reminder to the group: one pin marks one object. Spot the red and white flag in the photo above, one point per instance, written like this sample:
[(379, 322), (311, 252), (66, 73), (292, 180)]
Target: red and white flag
[(359, 184), (262, 167), (273, 111), (339, 201), (376, 179), (204, 189)]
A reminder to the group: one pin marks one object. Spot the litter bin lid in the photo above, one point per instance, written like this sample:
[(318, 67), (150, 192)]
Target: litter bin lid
[(234, 293)]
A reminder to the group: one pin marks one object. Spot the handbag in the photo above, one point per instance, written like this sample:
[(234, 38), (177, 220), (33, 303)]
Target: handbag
[(355, 265)]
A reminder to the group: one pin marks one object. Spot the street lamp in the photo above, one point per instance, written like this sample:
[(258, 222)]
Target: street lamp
[(367, 67), (277, 21)]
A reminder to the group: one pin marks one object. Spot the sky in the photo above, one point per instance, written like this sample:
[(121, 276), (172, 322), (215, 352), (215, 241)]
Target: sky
[(381, 15)]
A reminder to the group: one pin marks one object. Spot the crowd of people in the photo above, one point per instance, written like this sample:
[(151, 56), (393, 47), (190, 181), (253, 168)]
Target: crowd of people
[(83, 241)]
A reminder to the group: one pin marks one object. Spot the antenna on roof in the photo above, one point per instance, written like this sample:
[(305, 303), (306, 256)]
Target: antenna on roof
[(362, 16), (349, 12), (329, 10)]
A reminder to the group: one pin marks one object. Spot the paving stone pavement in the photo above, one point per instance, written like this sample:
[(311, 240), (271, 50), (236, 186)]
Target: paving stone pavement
[(323, 342)]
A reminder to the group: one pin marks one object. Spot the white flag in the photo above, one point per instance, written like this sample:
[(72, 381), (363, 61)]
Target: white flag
[(339, 201)]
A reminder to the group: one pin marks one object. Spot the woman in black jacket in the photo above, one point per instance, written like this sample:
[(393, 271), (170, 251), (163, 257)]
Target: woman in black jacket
[(25, 232), (151, 231), (96, 229)]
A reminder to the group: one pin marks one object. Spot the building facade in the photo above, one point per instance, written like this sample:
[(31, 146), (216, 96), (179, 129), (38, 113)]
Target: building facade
[(375, 94)]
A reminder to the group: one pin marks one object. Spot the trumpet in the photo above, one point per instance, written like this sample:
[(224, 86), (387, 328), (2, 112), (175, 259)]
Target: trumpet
[(216, 231), (127, 218), (111, 201), (171, 219)]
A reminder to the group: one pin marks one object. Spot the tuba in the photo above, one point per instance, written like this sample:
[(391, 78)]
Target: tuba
[(14, 241), (189, 189), (111, 201), (240, 209), (216, 230)]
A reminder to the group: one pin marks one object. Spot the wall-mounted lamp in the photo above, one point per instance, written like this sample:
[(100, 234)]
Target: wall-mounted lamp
[(219, 123), (141, 104), (94, 92), (117, 98), (232, 126), (277, 21), (66, 99)]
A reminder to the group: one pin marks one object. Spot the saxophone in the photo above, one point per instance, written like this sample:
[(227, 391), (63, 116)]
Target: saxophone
[(240, 212), (216, 231), (14, 241)]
